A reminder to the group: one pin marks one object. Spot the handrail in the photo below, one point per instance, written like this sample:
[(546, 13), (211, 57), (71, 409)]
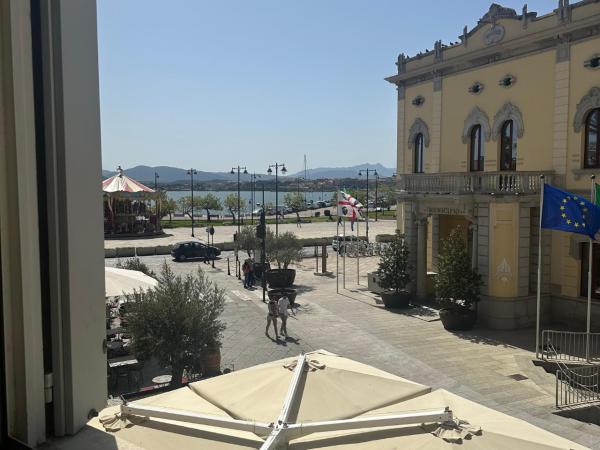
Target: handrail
[(573, 385), (570, 346)]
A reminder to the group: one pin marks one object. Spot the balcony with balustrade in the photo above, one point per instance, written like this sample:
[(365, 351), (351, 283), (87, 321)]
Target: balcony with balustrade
[(469, 183)]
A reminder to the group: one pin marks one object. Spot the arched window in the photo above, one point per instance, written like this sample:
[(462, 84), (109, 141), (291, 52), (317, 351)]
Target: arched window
[(477, 155), (592, 143), (418, 163), (508, 146)]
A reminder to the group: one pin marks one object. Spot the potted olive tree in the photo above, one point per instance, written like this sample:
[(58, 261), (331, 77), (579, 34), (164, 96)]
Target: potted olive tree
[(457, 285), (284, 250), (394, 273), (178, 323), (246, 240)]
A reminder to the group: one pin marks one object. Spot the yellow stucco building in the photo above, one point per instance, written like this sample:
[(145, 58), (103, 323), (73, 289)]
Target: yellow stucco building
[(479, 121)]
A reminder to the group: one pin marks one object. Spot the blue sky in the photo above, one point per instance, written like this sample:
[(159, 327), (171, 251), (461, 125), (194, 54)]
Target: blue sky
[(211, 84)]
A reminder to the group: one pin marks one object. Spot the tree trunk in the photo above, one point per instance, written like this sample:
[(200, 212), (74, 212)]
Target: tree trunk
[(176, 374), (208, 214), (232, 215)]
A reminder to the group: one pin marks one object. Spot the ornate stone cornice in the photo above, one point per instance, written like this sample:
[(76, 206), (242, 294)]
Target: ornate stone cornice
[(508, 112), (590, 101), (476, 117), (418, 126)]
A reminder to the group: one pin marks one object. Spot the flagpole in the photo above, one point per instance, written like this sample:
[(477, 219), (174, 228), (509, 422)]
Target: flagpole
[(589, 281), (337, 238), (539, 274), (344, 256), (357, 254)]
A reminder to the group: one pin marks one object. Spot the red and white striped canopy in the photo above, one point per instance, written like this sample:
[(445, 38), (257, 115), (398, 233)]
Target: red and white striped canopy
[(122, 183)]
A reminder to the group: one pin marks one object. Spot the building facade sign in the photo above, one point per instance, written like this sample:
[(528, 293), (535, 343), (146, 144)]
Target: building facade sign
[(443, 208)]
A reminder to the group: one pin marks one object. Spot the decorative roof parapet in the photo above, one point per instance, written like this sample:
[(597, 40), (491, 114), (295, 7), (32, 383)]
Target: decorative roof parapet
[(438, 55), (464, 37), (496, 12), (563, 11), (401, 63), (492, 29)]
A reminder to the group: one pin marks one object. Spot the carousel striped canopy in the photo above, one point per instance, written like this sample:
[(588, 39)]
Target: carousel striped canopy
[(122, 183)]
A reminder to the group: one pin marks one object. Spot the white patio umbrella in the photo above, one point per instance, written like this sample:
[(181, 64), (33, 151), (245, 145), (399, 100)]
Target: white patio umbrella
[(122, 281), (318, 400)]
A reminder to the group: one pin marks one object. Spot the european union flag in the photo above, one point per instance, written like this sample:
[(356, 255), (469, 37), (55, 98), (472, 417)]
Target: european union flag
[(569, 212)]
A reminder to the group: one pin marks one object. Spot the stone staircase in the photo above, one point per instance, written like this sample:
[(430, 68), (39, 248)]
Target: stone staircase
[(544, 381)]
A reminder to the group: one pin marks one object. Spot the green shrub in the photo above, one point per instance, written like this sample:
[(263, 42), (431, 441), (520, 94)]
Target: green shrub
[(393, 267), (457, 284), (135, 264), (176, 321)]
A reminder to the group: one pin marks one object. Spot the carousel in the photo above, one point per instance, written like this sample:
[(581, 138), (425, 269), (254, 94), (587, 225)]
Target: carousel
[(130, 208)]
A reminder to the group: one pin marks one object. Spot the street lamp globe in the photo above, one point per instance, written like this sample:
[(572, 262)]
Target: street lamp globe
[(232, 172), (245, 171), (270, 171), (283, 169)]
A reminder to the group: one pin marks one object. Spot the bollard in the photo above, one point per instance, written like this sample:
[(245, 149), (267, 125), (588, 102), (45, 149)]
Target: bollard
[(228, 269), (239, 270), (324, 258)]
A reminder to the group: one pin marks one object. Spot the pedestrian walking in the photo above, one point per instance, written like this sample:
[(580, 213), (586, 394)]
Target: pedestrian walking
[(272, 314), (246, 272), (282, 308), (251, 275)]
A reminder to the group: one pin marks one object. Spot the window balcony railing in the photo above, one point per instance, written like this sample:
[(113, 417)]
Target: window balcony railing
[(462, 183)]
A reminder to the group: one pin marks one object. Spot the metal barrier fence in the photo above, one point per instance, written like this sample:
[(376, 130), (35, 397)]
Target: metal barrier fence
[(570, 346), (577, 386)]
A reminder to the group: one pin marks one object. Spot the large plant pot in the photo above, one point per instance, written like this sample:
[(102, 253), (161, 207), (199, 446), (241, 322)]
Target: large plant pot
[(458, 319), (258, 269), (393, 299), (210, 360), (276, 294), (280, 278)]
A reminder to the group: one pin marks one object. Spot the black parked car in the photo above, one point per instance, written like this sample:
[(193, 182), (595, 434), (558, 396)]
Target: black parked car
[(194, 249)]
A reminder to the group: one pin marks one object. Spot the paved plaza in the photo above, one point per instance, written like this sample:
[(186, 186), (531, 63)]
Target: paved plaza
[(225, 233), (411, 344)]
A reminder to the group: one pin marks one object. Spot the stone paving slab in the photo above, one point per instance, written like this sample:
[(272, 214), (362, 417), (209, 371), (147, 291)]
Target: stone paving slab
[(473, 364)]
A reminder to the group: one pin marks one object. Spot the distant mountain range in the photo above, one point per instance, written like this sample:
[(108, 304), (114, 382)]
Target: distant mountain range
[(345, 172), (173, 174), (168, 174)]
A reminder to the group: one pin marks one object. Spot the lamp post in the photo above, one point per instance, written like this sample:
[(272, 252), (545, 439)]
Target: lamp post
[(366, 171), (233, 169), (376, 193), (157, 201), (253, 178), (191, 173), (277, 166)]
